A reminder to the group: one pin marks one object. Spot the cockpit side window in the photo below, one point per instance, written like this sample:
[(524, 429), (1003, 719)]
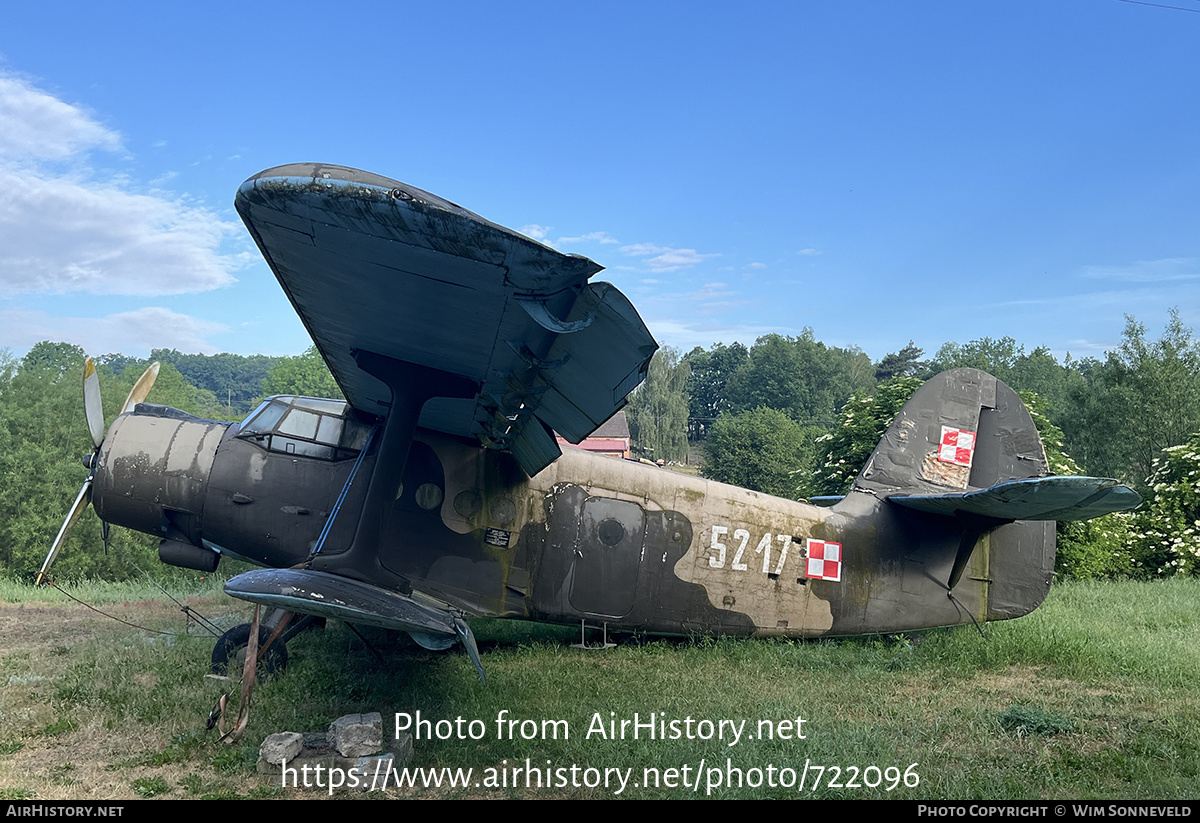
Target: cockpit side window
[(354, 435), (264, 417), (329, 430)]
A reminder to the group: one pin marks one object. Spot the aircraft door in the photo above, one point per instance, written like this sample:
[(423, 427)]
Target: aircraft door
[(265, 506), (608, 557)]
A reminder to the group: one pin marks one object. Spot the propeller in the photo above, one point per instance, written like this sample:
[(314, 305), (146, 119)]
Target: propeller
[(93, 410)]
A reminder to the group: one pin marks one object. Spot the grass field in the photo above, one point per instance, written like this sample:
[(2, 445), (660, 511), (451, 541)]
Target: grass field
[(1093, 696)]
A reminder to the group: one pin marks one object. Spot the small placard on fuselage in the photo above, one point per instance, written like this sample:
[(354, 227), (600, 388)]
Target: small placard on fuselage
[(496, 537)]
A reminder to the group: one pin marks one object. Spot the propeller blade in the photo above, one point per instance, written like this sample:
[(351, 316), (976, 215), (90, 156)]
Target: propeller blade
[(92, 407), (141, 388), (81, 503)]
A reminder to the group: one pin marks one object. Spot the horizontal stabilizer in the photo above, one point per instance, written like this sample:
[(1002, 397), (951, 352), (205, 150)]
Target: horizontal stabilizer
[(340, 598), (1034, 498)]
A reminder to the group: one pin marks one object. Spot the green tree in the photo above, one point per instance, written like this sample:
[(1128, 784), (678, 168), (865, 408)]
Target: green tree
[(8, 365), (761, 449), (1144, 397), (306, 375), (903, 363), (799, 376), (1087, 549), (1036, 371), (996, 357), (658, 409), (170, 389), (1167, 528), (1039, 372), (235, 380), (709, 372), (41, 410), (43, 435), (9, 479)]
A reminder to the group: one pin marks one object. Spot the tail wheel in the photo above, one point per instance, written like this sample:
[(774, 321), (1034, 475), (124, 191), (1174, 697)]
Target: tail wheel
[(229, 654)]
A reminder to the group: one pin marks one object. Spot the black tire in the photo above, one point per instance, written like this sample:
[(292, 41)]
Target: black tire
[(231, 647)]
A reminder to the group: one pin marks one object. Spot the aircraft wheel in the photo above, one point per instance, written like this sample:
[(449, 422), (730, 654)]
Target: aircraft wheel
[(229, 654)]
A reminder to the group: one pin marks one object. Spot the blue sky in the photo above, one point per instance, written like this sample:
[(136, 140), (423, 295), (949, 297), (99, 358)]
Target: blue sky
[(877, 171)]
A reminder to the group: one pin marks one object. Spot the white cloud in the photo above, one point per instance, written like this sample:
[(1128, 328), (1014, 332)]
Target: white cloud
[(130, 332), (1079, 348), (1148, 271), (756, 265), (714, 297), (36, 126), (64, 230), (638, 249), (665, 258), (710, 291), (535, 231), (686, 336), (808, 252), (590, 237), (61, 235)]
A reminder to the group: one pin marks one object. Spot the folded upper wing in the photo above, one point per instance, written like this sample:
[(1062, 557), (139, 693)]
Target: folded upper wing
[(372, 264)]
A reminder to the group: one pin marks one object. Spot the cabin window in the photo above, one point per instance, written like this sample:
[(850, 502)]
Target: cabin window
[(354, 435), (300, 423), (334, 407), (304, 448), (264, 418), (329, 430), (306, 426)]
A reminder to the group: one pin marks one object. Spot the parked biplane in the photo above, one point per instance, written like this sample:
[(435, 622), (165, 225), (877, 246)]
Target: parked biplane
[(437, 491)]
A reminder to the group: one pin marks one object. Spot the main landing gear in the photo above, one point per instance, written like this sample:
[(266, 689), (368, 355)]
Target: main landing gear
[(229, 653)]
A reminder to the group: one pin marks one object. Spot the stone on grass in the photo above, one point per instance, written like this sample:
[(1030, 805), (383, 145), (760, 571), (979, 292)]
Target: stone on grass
[(281, 747), (357, 735)]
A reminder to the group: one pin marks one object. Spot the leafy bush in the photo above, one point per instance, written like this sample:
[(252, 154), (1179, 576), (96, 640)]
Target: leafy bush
[(1097, 549), (1166, 539), (863, 420)]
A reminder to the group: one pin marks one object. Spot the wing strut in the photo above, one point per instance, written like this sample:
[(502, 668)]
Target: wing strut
[(411, 386), (973, 529), (337, 507)]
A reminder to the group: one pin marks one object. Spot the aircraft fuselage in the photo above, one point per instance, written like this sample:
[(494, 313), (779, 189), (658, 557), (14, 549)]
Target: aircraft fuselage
[(590, 537)]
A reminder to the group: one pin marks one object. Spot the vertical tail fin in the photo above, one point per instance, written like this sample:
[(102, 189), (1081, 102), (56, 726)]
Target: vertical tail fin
[(966, 445), (963, 430), (965, 451)]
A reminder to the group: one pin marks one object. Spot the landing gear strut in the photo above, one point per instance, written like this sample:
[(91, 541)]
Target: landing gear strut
[(230, 650)]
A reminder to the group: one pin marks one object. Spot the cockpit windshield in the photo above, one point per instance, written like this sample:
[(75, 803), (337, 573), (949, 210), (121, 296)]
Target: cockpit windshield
[(306, 426)]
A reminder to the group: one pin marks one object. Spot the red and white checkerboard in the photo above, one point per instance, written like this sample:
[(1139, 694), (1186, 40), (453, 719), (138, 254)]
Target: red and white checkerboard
[(824, 560), (957, 446)]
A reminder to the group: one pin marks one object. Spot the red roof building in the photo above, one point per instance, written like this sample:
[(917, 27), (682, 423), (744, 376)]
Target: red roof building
[(612, 438)]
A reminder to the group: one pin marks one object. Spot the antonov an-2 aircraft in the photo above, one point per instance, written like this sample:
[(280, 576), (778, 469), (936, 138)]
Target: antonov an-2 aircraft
[(437, 491)]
